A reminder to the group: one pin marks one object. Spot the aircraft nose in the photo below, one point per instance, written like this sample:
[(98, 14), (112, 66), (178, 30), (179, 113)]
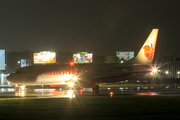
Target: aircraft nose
[(9, 78), (13, 78)]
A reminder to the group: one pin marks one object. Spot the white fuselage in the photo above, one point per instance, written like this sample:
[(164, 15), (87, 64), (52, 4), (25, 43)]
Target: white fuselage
[(63, 74)]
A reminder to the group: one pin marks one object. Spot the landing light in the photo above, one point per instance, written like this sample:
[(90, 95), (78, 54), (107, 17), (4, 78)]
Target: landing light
[(154, 70), (71, 84), (75, 78)]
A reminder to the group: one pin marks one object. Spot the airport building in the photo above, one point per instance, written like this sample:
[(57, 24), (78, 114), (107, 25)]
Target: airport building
[(3, 80), (3, 76), (171, 70)]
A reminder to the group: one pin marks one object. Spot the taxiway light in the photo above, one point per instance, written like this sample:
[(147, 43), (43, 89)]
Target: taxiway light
[(111, 94)]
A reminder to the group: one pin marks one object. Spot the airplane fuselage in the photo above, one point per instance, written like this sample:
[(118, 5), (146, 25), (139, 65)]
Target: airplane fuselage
[(62, 74)]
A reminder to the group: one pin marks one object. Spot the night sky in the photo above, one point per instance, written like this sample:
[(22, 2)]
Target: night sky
[(98, 26)]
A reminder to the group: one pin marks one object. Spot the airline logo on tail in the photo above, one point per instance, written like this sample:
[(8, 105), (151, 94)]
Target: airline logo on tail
[(149, 51)]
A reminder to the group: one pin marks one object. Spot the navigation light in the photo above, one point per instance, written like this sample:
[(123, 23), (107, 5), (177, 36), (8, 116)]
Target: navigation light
[(71, 64)]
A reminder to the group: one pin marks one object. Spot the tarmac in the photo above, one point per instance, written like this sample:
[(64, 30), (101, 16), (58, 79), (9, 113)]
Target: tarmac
[(68, 93)]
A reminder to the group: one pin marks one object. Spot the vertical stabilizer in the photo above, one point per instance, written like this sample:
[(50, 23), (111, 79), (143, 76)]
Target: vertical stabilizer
[(147, 51)]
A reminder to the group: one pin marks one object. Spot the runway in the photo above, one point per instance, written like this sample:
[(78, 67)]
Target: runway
[(60, 93)]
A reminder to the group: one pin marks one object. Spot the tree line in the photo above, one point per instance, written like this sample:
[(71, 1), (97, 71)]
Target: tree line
[(13, 57)]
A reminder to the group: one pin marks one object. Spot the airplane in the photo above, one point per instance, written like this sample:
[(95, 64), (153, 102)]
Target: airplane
[(88, 75)]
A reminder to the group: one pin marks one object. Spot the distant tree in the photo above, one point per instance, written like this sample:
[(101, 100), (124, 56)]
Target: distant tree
[(64, 58), (68, 57), (59, 57), (112, 59), (12, 59), (150, 75), (98, 58), (14, 56), (167, 58)]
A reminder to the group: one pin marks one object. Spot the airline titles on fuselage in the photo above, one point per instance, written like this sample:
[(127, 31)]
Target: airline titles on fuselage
[(54, 72)]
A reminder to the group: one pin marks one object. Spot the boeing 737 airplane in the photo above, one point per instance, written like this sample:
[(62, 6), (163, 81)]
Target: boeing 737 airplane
[(87, 75)]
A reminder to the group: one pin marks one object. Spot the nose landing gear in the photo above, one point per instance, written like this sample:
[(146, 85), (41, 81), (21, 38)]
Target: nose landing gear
[(22, 88)]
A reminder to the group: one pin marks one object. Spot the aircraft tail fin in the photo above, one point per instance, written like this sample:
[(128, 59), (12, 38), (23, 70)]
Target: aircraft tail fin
[(147, 51)]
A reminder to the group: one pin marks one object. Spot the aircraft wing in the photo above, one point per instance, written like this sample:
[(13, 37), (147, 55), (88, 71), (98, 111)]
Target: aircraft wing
[(124, 74)]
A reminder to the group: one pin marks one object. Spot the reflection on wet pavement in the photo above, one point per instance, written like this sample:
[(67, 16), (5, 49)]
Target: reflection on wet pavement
[(47, 93), (148, 93), (69, 93)]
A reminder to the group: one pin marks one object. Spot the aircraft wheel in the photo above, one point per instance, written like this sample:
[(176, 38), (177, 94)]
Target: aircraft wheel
[(95, 90), (96, 87)]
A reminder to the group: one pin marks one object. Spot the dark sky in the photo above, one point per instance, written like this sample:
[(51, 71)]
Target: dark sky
[(98, 26)]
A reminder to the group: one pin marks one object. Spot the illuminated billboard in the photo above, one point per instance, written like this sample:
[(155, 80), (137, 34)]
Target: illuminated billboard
[(44, 57), (126, 55), (2, 59), (82, 57)]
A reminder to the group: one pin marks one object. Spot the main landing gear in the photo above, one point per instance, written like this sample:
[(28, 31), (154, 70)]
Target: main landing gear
[(95, 89)]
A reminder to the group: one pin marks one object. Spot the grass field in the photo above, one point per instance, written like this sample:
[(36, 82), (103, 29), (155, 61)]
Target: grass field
[(92, 108)]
